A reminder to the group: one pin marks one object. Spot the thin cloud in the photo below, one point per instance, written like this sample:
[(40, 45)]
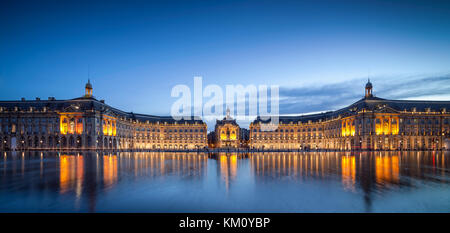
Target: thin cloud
[(322, 98), (337, 95)]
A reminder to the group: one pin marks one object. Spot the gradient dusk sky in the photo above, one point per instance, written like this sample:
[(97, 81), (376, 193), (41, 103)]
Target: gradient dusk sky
[(319, 52)]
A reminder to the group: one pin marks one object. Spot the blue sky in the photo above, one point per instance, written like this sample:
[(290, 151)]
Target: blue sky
[(136, 51)]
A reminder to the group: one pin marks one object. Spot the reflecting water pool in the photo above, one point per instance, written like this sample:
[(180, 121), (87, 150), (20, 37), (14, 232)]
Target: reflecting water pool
[(258, 182)]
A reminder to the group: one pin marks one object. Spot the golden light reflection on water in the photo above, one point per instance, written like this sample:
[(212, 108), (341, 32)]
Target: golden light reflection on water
[(294, 165), (71, 173), (83, 179), (353, 171), (109, 169), (348, 170), (228, 167), (71, 167), (387, 168)]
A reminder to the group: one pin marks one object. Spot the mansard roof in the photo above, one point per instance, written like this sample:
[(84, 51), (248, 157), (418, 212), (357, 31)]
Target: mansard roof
[(83, 104), (373, 104)]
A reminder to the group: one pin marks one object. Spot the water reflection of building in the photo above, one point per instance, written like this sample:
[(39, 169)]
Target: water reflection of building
[(367, 171), (97, 172), (158, 164), (295, 165), (227, 167), (372, 123), (348, 170), (87, 175), (227, 132), (71, 173), (387, 168), (109, 170)]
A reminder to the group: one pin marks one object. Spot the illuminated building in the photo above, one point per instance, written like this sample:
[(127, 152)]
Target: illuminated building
[(227, 133), (371, 123), (88, 123)]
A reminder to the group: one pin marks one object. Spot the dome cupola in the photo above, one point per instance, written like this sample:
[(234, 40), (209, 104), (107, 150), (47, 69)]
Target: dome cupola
[(88, 89), (368, 89)]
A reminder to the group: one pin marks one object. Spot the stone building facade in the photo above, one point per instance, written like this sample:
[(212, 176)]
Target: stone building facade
[(88, 123), (227, 133), (371, 123)]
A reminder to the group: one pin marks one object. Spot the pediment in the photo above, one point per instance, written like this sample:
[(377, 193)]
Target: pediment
[(72, 108), (108, 111), (384, 109)]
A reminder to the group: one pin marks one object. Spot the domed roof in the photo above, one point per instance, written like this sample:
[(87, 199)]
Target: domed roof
[(88, 84), (369, 84)]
